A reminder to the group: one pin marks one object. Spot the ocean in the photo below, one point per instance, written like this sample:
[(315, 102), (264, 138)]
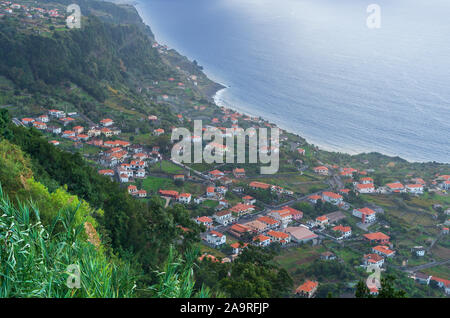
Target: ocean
[(313, 67)]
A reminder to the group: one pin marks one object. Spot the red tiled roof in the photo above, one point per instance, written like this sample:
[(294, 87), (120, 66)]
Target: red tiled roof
[(261, 185), (278, 234), (377, 236), (395, 185), (240, 228), (414, 185), (268, 220), (341, 228), (204, 219), (307, 287), (168, 192), (383, 249), (374, 257), (216, 172), (261, 238), (216, 233), (366, 211), (365, 186), (241, 207), (238, 245), (332, 195)]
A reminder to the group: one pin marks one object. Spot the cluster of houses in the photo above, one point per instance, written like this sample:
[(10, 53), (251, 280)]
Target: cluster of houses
[(365, 184), (57, 122), (122, 158), (10, 8), (274, 227), (443, 181), (127, 161)]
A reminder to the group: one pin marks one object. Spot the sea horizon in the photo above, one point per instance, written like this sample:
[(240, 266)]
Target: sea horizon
[(426, 145)]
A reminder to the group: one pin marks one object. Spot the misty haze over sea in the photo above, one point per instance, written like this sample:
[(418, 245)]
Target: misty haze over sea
[(314, 68)]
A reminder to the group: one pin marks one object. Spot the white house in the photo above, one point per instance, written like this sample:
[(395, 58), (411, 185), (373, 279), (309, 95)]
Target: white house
[(237, 247), (332, 197), (373, 259), (68, 133), (418, 250), (414, 188), (345, 231), (206, 221), (284, 216), (261, 240), (124, 171), (216, 238), (395, 187), (56, 113), (210, 192), (223, 217), (365, 187), (123, 178), (248, 199), (281, 237), (140, 173), (184, 198), (106, 122), (215, 174), (365, 214), (445, 185), (321, 170), (366, 180), (142, 194), (383, 251), (43, 119), (54, 129)]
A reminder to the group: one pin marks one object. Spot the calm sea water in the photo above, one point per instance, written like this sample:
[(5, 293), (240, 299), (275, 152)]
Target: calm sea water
[(314, 68)]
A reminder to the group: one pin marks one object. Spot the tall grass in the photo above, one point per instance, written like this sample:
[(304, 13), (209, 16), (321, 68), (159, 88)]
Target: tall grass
[(34, 259), (177, 278)]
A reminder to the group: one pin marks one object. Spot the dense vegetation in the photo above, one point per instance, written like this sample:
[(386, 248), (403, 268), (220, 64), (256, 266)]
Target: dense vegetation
[(36, 62), (34, 259), (253, 274), (146, 235)]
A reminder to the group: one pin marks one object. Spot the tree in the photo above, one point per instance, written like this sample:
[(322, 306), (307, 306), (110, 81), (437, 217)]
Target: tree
[(254, 275), (362, 291), (387, 288), (5, 120)]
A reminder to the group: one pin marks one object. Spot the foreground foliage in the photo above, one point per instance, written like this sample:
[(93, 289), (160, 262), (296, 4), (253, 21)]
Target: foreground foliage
[(34, 259)]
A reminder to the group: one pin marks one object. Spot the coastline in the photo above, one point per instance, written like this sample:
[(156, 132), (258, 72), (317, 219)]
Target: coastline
[(214, 92)]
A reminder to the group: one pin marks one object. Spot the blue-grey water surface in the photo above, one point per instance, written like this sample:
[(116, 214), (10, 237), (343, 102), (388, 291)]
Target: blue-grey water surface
[(315, 68)]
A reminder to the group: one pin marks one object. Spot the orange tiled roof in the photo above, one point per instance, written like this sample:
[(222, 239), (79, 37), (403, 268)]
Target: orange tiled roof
[(332, 195), (377, 236), (366, 211), (307, 286), (277, 234)]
